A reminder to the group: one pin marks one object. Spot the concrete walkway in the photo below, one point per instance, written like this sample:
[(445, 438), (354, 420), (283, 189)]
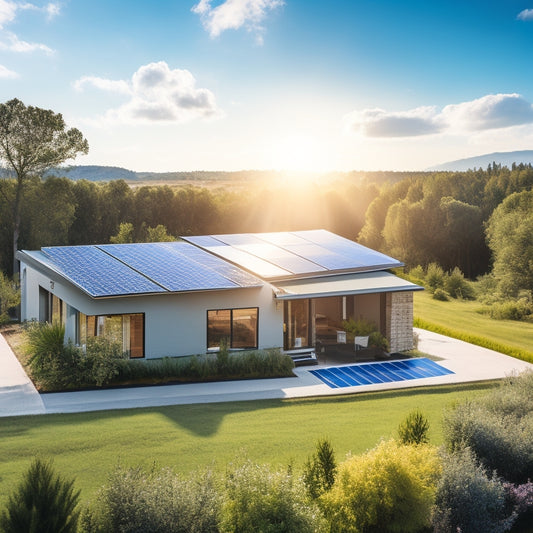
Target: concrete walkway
[(19, 397)]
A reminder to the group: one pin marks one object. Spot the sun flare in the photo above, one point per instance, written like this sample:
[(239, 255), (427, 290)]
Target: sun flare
[(299, 153)]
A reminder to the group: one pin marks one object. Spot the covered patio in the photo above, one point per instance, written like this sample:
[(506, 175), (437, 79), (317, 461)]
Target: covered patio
[(317, 314)]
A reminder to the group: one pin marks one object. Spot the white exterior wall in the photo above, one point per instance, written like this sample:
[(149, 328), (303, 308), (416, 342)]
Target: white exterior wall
[(174, 324)]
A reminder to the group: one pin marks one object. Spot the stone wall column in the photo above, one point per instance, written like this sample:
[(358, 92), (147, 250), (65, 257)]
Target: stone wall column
[(399, 320)]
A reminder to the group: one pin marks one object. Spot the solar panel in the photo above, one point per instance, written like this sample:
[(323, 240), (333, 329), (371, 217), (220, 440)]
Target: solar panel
[(229, 271), (375, 373), (171, 265), (96, 273), (294, 254)]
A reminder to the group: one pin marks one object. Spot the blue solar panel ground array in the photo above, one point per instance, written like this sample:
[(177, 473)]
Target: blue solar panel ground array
[(382, 372)]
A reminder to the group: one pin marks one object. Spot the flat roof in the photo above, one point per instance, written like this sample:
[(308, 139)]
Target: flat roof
[(343, 285)]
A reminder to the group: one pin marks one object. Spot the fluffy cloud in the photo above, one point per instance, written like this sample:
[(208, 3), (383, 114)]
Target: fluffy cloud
[(234, 14), (526, 14), (156, 94), (8, 11), (489, 112), (380, 123), (493, 111), (6, 74)]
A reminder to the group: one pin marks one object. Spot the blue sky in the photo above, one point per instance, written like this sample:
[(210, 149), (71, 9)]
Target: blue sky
[(276, 84)]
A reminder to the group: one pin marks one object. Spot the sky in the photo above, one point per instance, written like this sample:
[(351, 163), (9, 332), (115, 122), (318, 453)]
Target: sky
[(307, 85)]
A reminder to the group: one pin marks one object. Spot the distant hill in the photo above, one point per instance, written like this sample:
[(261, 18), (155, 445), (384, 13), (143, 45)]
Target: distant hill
[(506, 159), (93, 173)]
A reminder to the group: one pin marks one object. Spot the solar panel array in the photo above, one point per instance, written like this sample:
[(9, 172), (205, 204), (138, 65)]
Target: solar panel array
[(144, 268), (294, 254), (374, 373)]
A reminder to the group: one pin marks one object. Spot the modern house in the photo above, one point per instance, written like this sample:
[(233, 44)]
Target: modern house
[(289, 290)]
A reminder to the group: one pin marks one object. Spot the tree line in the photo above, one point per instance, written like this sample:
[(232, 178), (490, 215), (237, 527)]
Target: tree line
[(461, 219)]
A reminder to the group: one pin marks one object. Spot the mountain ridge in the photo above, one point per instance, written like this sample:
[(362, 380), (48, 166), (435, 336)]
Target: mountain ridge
[(483, 161)]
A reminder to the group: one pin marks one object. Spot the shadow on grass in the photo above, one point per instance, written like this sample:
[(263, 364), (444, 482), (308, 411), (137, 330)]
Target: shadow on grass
[(204, 420)]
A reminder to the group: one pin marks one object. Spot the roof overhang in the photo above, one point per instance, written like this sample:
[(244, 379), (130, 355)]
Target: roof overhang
[(343, 285)]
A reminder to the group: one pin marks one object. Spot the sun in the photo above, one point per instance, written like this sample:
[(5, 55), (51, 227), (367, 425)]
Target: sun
[(298, 153)]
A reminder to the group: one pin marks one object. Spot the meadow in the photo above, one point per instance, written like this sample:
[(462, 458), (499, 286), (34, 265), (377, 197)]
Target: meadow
[(462, 319)]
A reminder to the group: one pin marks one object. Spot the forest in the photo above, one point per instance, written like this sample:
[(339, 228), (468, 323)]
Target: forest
[(480, 221)]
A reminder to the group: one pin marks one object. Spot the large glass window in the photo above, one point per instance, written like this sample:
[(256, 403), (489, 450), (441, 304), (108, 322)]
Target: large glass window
[(127, 330), (237, 326), (297, 325)]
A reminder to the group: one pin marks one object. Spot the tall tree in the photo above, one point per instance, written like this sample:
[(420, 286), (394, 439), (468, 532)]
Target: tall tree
[(33, 140)]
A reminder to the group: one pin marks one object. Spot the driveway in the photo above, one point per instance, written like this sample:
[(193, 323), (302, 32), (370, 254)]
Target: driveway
[(18, 396)]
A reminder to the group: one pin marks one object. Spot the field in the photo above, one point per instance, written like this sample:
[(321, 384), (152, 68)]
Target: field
[(88, 445), (462, 319)]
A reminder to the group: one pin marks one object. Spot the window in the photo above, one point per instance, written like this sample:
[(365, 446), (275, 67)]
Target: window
[(238, 326), (51, 308), (127, 330)]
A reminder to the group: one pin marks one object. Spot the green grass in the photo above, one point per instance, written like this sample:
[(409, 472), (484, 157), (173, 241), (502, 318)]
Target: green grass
[(461, 319), (89, 445)]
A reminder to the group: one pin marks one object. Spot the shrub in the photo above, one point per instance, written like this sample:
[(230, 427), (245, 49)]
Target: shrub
[(498, 428), (377, 340), (417, 275), (511, 310), (320, 470), (414, 429), (521, 498), (359, 327), (435, 277), (441, 295), (457, 286), (44, 342), (390, 488), (468, 500), (262, 500), (44, 502), (103, 360), (58, 366), (159, 501), (247, 364)]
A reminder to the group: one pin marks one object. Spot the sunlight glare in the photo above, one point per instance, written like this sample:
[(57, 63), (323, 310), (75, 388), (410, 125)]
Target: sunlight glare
[(299, 153)]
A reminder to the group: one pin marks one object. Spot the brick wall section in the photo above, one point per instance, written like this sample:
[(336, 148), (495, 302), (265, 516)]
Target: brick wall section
[(399, 320)]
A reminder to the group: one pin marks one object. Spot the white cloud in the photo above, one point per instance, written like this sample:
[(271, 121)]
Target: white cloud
[(526, 14), (379, 123), (14, 44), (234, 14), (116, 86), (489, 112), (156, 94), (493, 111), (52, 10), (8, 11), (6, 74)]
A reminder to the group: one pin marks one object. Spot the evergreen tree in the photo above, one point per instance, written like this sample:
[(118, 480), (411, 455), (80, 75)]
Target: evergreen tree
[(44, 502)]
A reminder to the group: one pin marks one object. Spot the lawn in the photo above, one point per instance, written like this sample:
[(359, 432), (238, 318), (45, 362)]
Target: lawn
[(462, 317), (88, 445)]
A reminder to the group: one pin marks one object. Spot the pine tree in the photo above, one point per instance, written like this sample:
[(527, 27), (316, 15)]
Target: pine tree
[(44, 502)]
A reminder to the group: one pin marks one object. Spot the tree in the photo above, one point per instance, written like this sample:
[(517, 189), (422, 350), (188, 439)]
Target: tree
[(510, 237), (44, 502), (320, 470), (124, 235), (33, 140)]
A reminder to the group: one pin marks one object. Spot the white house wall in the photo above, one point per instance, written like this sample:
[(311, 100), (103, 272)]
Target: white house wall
[(174, 324)]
